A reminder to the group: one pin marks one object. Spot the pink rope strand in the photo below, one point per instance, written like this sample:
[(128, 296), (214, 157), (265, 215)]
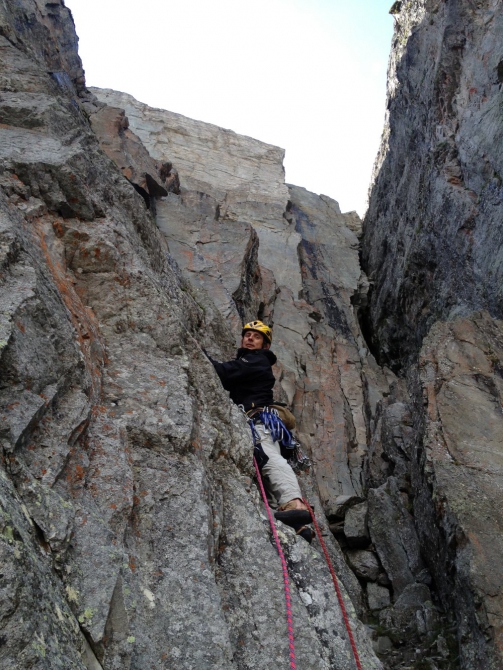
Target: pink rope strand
[(337, 588), (286, 580)]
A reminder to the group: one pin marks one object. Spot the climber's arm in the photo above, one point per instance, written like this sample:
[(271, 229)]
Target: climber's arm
[(231, 372)]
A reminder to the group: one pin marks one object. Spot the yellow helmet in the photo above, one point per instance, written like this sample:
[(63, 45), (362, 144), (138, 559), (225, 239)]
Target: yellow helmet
[(260, 328)]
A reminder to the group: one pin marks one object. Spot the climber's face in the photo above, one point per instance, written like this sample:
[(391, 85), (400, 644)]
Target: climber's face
[(254, 340)]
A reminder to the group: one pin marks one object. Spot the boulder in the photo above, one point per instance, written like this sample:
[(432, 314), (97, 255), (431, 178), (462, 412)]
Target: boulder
[(394, 535), (355, 525), (127, 151), (383, 644), (412, 613), (378, 597), (364, 564), (342, 504)]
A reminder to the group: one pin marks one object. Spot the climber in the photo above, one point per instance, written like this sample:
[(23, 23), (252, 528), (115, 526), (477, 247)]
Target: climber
[(250, 381)]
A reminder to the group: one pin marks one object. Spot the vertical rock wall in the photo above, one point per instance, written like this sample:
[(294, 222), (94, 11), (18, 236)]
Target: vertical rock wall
[(132, 533), (295, 263), (435, 204), (285, 255), (432, 248)]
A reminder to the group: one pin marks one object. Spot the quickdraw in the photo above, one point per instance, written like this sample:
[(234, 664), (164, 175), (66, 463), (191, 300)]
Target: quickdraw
[(273, 424), (298, 460)]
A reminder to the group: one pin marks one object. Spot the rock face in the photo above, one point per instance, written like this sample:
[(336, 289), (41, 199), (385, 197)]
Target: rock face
[(432, 249), (218, 160), (435, 205), (132, 534), (262, 249), (132, 530), (458, 477)]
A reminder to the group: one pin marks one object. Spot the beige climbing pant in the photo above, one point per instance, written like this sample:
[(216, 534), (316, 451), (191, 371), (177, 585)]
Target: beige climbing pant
[(279, 478)]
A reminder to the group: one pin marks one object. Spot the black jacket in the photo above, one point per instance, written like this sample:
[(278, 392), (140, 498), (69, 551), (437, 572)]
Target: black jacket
[(248, 378)]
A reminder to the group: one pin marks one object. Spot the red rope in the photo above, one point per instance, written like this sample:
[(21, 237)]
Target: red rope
[(286, 581), (337, 588)]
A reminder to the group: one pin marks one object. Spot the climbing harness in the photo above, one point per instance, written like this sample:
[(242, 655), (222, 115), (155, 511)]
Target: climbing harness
[(290, 447), (277, 429)]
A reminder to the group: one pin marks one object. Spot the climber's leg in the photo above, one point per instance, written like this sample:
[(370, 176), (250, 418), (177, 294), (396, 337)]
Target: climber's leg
[(281, 483), (280, 478)]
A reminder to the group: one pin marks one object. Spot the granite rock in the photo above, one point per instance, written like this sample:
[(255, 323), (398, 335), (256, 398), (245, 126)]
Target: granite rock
[(412, 614), (128, 153), (431, 248), (219, 160), (365, 564), (227, 229), (460, 525), (435, 202), (132, 534), (394, 535), (356, 527), (378, 597)]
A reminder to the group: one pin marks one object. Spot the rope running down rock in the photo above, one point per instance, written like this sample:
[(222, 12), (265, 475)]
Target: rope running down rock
[(337, 588), (286, 580)]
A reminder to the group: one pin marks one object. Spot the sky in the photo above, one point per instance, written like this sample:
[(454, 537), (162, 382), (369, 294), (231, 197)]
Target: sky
[(306, 75)]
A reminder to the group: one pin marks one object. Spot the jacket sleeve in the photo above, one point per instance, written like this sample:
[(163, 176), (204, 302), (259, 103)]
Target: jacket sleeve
[(231, 372)]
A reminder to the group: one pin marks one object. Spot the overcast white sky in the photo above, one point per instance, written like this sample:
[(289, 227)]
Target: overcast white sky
[(306, 75)]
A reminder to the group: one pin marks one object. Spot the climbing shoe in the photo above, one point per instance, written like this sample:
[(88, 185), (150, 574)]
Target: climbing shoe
[(307, 533), (294, 517), (297, 519), (291, 504)]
